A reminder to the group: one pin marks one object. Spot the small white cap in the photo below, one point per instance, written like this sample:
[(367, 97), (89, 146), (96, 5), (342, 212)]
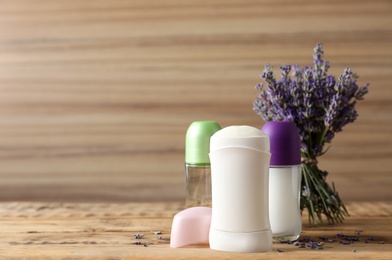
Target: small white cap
[(240, 136)]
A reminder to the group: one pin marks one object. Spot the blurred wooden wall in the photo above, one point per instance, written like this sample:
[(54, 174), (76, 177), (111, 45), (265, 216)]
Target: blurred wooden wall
[(96, 96)]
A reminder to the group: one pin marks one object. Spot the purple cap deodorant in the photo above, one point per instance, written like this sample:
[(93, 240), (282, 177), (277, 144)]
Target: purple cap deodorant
[(285, 143), (284, 180)]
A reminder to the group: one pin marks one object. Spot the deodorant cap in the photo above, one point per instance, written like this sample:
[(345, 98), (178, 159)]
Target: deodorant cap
[(285, 143), (240, 136), (197, 141)]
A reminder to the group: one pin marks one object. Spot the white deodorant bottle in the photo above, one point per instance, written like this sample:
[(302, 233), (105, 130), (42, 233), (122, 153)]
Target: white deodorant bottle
[(284, 180), (240, 158)]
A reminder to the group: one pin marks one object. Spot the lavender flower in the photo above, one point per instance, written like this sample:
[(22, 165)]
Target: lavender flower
[(317, 103), (320, 105)]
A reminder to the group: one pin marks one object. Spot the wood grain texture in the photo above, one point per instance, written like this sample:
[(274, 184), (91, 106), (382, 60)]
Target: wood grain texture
[(105, 231), (96, 96)]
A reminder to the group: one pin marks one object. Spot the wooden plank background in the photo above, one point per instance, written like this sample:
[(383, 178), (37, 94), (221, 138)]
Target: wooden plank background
[(96, 96)]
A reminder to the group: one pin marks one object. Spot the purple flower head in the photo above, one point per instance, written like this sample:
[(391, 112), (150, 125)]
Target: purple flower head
[(361, 92), (285, 71), (329, 136), (318, 103)]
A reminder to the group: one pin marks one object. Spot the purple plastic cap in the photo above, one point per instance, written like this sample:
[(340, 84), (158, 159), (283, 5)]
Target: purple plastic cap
[(285, 143)]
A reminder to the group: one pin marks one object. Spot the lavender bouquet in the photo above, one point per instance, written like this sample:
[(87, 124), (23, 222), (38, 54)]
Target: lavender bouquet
[(320, 105)]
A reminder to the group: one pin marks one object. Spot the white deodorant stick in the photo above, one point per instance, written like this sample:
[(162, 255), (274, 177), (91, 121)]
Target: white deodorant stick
[(240, 158)]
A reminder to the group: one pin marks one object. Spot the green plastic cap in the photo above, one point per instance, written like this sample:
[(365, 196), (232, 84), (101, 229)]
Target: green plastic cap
[(197, 141)]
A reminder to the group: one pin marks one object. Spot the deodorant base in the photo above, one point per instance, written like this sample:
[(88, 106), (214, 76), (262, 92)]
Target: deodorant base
[(285, 238), (251, 242)]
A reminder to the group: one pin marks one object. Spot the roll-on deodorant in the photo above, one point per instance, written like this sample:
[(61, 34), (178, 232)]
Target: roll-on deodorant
[(284, 180), (197, 163), (240, 158)]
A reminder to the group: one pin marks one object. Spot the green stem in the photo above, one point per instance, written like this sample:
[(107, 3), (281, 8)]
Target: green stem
[(319, 187), (320, 140), (311, 211), (322, 199)]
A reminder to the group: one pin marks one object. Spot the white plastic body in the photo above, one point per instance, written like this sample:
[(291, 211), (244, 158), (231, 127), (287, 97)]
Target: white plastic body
[(240, 220), (284, 202)]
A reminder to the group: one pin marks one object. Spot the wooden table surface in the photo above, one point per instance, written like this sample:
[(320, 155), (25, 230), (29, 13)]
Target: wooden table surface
[(96, 95), (105, 231)]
